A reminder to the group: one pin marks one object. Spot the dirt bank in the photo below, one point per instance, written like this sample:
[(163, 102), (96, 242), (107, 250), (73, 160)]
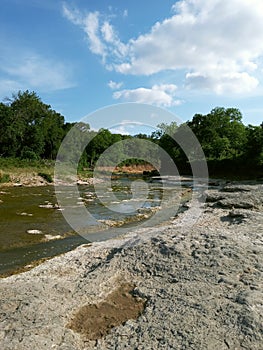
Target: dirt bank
[(201, 286), (20, 177)]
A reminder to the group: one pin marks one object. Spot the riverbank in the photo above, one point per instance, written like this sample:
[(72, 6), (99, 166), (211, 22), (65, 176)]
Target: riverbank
[(171, 287), (41, 173), (21, 172)]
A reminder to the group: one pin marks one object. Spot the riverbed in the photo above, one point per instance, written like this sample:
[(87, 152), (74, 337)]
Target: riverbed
[(32, 225), (201, 286)]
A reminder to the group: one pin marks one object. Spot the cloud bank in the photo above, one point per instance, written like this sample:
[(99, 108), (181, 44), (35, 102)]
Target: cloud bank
[(217, 44), (159, 95)]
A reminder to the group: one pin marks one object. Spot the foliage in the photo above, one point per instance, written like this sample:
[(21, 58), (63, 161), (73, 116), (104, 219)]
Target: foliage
[(254, 149), (4, 178), (220, 133), (12, 163), (229, 146), (31, 134), (32, 130), (46, 177)]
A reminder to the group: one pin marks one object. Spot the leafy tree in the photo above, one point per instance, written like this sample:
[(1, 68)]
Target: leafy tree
[(101, 141), (254, 149), (53, 132), (31, 128), (74, 145), (28, 114), (8, 144), (221, 133), (163, 129)]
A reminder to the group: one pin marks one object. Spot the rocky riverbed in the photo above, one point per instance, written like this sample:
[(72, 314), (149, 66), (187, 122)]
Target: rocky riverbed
[(171, 287)]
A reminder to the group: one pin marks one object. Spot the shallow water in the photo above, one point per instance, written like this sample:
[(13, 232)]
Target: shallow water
[(25, 210)]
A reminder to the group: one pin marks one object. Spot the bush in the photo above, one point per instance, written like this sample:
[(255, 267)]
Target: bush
[(46, 177), (29, 154), (4, 178)]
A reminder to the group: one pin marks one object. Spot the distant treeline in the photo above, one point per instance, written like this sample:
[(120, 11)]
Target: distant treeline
[(31, 129), (230, 147)]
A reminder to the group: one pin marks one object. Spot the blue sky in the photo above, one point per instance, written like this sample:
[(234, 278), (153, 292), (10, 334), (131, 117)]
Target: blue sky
[(185, 56)]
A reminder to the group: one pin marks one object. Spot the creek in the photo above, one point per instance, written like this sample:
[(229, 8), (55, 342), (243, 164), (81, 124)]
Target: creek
[(33, 227)]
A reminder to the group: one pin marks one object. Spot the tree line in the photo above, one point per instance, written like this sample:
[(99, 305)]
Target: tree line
[(229, 146), (31, 129)]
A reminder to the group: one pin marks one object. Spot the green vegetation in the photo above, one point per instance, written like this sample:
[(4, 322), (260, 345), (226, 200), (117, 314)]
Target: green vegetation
[(230, 147), (4, 178), (17, 165), (46, 177), (26, 164), (32, 130), (31, 134)]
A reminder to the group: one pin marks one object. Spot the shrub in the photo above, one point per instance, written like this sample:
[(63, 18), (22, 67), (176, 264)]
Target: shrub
[(46, 177), (4, 178), (29, 154)]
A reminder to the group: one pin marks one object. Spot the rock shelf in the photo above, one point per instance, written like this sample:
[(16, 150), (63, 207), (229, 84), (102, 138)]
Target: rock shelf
[(194, 287)]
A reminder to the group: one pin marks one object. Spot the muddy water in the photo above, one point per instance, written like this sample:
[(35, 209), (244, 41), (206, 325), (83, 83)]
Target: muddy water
[(29, 219)]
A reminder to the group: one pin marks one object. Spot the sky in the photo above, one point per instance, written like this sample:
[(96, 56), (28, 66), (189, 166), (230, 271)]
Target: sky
[(182, 57)]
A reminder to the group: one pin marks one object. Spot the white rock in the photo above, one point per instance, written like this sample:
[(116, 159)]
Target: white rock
[(51, 237), (34, 232)]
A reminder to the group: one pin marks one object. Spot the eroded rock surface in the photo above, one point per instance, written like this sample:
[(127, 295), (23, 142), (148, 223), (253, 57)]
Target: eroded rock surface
[(202, 285)]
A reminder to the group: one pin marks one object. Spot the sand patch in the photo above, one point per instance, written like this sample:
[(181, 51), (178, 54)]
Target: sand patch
[(96, 320)]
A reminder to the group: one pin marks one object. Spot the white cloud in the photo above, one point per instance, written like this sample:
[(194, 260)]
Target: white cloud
[(159, 95), (218, 41), (34, 71), (217, 44), (91, 28), (120, 130), (125, 13), (102, 38), (72, 15), (108, 32), (114, 85), (127, 127), (224, 83), (90, 25)]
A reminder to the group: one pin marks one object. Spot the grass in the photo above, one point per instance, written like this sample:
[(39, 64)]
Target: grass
[(85, 173), (10, 163), (14, 168)]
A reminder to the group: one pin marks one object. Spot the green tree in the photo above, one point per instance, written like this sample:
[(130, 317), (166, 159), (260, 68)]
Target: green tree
[(28, 113), (53, 132), (221, 133), (254, 148), (101, 141), (73, 149), (163, 129), (8, 143), (29, 128)]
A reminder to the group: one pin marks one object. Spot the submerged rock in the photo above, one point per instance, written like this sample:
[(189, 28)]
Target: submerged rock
[(34, 232), (25, 214), (52, 237)]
